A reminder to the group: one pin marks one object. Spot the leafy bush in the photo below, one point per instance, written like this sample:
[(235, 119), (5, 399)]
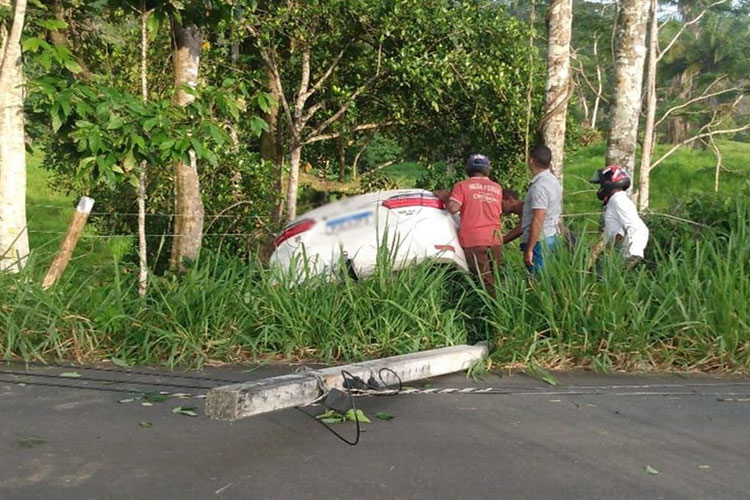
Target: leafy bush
[(699, 216), (376, 181), (381, 150), (438, 177)]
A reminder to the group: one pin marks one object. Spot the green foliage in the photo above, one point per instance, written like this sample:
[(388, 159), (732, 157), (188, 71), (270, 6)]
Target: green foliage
[(438, 177), (101, 134), (377, 181), (708, 213), (334, 417), (381, 150)]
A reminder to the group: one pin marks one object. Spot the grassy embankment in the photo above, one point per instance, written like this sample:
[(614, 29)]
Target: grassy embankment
[(687, 312)]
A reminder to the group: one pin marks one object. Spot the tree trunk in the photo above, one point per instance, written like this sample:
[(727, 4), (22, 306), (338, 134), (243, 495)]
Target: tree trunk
[(530, 83), (61, 38), (559, 22), (295, 156), (342, 159), (189, 212), (649, 136), (142, 248), (678, 127), (584, 103), (595, 113), (630, 54), (14, 237), (270, 146)]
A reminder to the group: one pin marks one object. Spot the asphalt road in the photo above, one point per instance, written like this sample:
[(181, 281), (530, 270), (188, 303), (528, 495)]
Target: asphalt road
[(592, 437)]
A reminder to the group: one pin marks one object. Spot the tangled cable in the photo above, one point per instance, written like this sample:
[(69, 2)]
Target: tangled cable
[(354, 386)]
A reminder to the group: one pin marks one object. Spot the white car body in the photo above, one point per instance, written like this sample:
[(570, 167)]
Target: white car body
[(411, 222)]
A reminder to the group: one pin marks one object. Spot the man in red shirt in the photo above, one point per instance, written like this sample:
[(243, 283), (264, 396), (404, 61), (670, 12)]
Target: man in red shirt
[(480, 202)]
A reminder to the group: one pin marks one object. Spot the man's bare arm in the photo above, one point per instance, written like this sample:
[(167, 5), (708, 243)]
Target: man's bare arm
[(514, 233), (537, 221), (452, 206)]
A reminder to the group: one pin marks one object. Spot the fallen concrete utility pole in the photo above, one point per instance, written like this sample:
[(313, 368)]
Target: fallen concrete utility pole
[(232, 402)]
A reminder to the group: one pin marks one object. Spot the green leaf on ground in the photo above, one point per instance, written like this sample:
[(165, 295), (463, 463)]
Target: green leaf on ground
[(70, 375), (155, 398), (360, 415), (331, 417), (119, 362), (651, 470), (145, 424), (30, 442), (185, 410), (384, 416), (538, 372)]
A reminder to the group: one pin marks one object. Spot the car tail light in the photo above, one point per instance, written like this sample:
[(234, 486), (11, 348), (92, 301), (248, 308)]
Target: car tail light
[(445, 248), (411, 200), (293, 230)]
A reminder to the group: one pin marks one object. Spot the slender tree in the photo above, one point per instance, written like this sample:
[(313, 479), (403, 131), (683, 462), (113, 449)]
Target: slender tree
[(14, 240), (559, 84), (648, 133), (630, 52), (142, 248), (271, 145)]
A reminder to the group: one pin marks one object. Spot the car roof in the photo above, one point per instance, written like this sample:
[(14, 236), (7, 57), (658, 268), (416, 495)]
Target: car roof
[(353, 203)]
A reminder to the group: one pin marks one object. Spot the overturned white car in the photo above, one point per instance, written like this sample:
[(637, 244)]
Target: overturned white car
[(410, 224)]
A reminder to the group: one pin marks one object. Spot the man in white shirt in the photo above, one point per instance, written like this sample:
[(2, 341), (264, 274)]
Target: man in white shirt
[(622, 224)]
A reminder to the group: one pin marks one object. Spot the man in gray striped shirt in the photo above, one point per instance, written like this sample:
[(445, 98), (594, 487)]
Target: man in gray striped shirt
[(542, 209)]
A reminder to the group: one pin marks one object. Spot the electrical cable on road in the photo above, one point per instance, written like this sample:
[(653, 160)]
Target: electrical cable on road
[(127, 371), (356, 387), (350, 383), (101, 389), (102, 380)]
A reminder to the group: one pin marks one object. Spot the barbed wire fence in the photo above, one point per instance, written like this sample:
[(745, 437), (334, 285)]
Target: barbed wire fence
[(208, 218), (211, 218)]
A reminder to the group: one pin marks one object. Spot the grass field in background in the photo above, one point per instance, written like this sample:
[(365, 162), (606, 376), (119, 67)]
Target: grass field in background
[(686, 171), (406, 174), (48, 213)]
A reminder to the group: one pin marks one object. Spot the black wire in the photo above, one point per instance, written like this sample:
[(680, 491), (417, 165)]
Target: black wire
[(114, 370), (344, 374), (92, 379), (79, 387), (348, 386), (400, 383)]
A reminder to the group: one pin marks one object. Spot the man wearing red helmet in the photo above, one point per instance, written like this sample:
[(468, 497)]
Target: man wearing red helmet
[(622, 224)]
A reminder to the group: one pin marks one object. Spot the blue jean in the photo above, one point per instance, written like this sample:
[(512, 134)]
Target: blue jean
[(542, 246)]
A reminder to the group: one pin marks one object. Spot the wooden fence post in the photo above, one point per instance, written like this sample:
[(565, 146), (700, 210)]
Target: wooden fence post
[(85, 204)]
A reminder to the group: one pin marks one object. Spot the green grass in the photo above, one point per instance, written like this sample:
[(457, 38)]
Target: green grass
[(406, 174), (230, 310), (687, 311)]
